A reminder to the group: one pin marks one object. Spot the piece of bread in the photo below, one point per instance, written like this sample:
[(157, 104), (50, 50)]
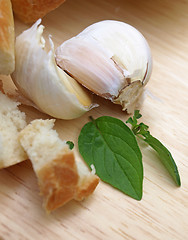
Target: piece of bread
[(7, 55), (1, 87), (12, 121), (30, 11), (61, 178)]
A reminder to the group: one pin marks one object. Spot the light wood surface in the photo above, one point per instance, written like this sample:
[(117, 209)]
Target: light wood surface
[(108, 213)]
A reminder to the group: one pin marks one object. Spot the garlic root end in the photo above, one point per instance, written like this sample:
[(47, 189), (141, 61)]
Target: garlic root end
[(129, 96)]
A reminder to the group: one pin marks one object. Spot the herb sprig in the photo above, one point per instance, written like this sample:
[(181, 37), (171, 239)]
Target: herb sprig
[(141, 130), (111, 146)]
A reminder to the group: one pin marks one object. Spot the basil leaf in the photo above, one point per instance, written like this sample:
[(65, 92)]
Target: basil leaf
[(165, 157), (111, 147)]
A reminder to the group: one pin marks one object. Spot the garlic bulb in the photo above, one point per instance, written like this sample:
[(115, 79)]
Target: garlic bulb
[(39, 79), (110, 58)]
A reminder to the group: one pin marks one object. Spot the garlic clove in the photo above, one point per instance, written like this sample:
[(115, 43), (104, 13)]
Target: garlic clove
[(107, 57), (39, 79), (91, 65)]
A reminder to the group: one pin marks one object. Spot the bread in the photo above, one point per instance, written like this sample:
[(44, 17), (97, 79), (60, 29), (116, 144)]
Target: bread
[(30, 11), (12, 121), (61, 178), (7, 56), (1, 87)]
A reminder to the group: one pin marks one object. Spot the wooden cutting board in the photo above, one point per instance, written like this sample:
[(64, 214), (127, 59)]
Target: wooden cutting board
[(109, 214)]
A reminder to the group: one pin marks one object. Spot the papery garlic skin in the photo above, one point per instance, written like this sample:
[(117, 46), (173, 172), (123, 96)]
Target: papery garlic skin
[(39, 79), (107, 57)]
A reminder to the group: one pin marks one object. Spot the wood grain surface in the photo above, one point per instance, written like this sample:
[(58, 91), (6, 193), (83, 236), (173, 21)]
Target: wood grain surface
[(162, 214)]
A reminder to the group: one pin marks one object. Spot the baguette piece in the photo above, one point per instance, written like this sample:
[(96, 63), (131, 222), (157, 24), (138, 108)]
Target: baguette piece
[(7, 38), (30, 11), (61, 178), (12, 121)]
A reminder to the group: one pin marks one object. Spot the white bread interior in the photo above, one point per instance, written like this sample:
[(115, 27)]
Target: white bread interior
[(61, 177), (12, 121)]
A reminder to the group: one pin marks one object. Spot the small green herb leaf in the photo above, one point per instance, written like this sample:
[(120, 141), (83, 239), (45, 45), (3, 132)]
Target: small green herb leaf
[(137, 114), (165, 157), (71, 144), (111, 147), (141, 130)]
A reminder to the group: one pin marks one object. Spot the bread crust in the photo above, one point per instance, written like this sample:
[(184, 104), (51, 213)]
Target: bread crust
[(7, 38), (1, 87), (87, 186), (59, 182), (30, 11)]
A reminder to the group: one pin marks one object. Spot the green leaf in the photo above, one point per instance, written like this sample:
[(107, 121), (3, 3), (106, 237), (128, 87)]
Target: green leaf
[(111, 147), (130, 120), (165, 157), (71, 144), (133, 120), (137, 114)]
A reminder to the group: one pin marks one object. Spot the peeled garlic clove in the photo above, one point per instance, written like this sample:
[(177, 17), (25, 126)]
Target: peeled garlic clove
[(39, 79), (107, 57)]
